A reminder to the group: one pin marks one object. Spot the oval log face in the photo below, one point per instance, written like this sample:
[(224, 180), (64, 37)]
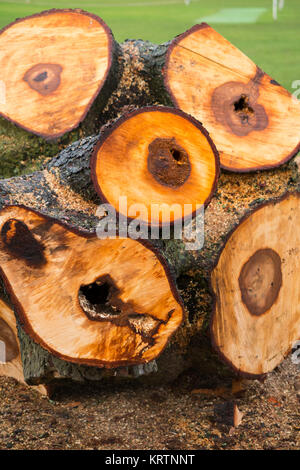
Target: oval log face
[(254, 122), (156, 157), (50, 71), (106, 302), (256, 284)]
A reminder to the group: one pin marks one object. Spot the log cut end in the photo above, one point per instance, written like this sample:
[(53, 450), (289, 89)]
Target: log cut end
[(254, 122), (256, 284), (50, 93), (105, 303), (10, 358), (157, 157)]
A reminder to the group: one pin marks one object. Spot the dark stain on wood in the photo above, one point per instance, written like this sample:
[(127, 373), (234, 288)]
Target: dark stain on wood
[(260, 281), (21, 243), (168, 162), (44, 78), (234, 105)]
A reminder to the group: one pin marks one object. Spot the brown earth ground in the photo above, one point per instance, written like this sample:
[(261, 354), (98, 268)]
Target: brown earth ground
[(173, 417)]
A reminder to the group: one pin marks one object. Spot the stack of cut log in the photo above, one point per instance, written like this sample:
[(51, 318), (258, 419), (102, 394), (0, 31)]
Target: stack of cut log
[(160, 122)]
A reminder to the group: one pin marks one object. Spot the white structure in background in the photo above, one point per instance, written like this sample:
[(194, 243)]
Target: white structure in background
[(187, 2), (2, 352), (277, 5)]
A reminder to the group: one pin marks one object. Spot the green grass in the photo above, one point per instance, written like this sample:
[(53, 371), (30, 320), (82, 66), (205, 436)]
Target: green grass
[(274, 46)]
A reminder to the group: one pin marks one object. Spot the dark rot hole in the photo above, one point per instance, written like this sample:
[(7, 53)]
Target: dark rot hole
[(234, 105), (98, 299), (242, 105), (177, 155), (96, 294)]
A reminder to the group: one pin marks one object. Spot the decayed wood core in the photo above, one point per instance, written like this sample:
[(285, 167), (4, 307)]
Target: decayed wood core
[(254, 122), (44, 78), (101, 301), (235, 106), (156, 157), (49, 92), (104, 302), (257, 290), (168, 162), (260, 281)]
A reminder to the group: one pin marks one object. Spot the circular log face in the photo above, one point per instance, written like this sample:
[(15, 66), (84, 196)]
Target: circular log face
[(50, 72), (257, 290), (254, 122), (99, 302), (156, 157)]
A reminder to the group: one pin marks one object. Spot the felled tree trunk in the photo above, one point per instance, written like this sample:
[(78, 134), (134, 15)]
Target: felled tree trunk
[(170, 160), (253, 121), (62, 91), (106, 303), (52, 192), (256, 317), (29, 363)]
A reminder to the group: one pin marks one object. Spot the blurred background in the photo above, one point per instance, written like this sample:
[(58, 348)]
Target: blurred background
[(268, 31)]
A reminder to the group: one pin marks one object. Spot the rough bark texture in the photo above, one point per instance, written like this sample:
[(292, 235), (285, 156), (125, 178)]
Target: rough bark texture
[(52, 191)]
